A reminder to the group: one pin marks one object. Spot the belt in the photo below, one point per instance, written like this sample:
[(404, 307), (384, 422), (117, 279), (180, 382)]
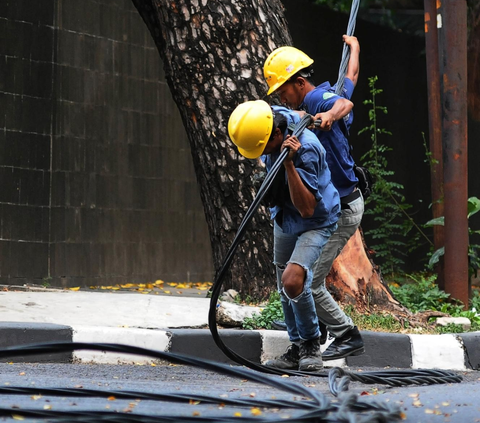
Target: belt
[(344, 201)]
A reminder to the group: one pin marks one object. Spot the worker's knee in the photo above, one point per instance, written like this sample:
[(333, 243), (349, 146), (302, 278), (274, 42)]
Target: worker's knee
[(293, 280)]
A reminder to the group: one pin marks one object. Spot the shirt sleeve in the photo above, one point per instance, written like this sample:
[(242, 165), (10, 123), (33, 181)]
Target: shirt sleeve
[(348, 88), (320, 101)]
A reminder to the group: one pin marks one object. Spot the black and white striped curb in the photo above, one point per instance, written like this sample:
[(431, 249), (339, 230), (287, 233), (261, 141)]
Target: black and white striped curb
[(448, 352)]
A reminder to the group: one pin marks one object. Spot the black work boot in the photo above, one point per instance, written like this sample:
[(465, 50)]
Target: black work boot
[(349, 344), (323, 332), (310, 356), (288, 361)]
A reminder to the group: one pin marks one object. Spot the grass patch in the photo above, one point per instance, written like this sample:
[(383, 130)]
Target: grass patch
[(272, 311), (416, 292)]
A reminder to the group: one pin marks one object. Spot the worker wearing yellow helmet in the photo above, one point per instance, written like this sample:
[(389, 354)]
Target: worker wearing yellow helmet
[(304, 215), (289, 74)]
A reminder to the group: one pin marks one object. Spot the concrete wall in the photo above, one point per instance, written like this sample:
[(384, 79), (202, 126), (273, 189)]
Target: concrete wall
[(97, 181), (98, 186)]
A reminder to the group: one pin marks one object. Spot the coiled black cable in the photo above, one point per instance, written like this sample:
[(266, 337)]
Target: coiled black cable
[(314, 405)]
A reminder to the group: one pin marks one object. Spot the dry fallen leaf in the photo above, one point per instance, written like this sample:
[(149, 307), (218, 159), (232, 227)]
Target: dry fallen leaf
[(256, 411)]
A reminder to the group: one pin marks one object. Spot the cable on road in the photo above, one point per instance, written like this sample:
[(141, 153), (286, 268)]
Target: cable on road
[(310, 406)]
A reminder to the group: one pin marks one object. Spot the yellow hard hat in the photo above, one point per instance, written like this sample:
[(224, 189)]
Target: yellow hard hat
[(282, 64), (250, 126)]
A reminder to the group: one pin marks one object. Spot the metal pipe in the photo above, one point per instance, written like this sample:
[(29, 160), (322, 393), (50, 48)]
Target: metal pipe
[(435, 129), (452, 29)]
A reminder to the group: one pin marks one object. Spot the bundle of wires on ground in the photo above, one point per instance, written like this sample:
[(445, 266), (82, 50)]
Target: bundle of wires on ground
[(307, 405)]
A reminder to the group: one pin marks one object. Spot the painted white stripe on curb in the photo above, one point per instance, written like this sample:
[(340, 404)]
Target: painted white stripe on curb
[(275, 342), (443, 352), (144, 338)]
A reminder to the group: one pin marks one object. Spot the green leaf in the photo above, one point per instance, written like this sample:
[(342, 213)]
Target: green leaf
[(473, 206), (436, 256), (437, 221)]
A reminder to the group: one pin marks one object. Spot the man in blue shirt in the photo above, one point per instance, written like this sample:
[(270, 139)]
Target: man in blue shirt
[(289, 72), (304, 218)]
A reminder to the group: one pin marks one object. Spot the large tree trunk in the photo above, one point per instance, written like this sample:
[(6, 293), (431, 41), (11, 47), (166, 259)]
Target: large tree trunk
[(213, 53), (355, 279)]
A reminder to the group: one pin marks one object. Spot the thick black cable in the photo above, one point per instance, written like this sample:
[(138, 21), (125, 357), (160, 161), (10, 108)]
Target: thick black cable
[(57, 347), (346, 49), (315, 406)]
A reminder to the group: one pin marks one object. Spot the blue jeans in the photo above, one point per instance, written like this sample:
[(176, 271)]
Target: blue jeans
[(304, 250), (328, 311)]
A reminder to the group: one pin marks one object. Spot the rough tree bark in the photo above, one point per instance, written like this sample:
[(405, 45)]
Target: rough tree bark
[(213, 53)]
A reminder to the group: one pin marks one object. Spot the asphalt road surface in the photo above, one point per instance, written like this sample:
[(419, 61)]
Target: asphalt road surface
[(227, 398)]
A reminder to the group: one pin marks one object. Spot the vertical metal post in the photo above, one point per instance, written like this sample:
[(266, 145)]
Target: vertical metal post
[(452, 29), (435, 128)]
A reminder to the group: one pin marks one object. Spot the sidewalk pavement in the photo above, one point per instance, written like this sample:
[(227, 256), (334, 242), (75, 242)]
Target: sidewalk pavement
[(179, 324)]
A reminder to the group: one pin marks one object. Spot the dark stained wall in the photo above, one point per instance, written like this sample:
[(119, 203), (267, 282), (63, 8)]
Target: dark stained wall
[(399, 62), (97, 179)]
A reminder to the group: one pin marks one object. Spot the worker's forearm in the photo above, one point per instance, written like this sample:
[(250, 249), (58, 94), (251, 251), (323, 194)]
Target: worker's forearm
[(341, 108), (303, 200), (353, 68)]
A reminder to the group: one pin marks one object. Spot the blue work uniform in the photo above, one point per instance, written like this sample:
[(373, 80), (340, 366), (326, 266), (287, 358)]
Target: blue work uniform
[(335, 142), (311, 164), (301, 240)]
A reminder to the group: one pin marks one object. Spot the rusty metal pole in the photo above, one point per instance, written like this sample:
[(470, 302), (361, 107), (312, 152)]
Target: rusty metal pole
[(452, 29), (435, 129)]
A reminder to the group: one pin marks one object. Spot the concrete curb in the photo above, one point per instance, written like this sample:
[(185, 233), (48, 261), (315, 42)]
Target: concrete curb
[(448, 352), (18, 333)]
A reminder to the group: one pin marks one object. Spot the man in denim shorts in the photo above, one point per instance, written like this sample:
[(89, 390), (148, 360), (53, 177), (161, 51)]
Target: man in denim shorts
[(305, 215), (289, 73)]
